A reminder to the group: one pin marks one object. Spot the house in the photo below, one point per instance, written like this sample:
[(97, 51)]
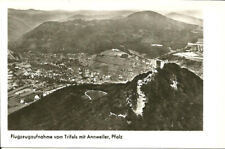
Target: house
[(157, 45), (115, 50), (36, 97), (159, 63), (198, 46), (124, 56)]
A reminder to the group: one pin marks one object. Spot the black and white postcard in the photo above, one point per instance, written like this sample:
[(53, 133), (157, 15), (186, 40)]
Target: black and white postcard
[(108, 73)]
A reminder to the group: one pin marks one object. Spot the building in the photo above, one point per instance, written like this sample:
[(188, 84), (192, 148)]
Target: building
[(156, 45), (157, 63), (115, 50), (36, 97), (124, 56), (195, 47)]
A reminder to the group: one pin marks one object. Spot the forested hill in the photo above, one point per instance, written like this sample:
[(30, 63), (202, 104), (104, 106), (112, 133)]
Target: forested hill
[(172, 96), (137, 31)]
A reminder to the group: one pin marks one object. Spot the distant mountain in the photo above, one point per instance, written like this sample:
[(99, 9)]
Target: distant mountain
[(79, 16), (96, 15), (22, 21), (93, 13), (137, 31), (185, 18), (172, 96)]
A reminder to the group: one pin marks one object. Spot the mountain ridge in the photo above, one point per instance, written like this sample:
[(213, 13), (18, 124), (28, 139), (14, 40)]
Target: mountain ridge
[(21, 21), (129, 32), (185, 18), (167, 106)]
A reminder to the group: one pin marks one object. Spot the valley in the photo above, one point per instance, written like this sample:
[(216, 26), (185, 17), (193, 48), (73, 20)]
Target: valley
[(119, 70), (116, 106)]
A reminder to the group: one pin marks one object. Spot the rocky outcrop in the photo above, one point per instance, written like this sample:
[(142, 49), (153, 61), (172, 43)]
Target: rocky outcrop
[(171, 98)]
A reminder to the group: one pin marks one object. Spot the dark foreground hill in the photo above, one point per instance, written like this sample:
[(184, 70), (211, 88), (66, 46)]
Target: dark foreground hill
[(173, 101), (137, 31)]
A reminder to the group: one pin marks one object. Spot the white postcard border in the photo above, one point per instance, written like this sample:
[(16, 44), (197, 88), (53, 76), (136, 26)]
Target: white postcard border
[(213, 133)]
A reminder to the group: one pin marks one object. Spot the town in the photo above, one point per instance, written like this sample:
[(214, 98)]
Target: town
[(38, 75)]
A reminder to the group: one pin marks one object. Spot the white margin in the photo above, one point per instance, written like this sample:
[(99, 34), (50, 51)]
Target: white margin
[(214, 99)]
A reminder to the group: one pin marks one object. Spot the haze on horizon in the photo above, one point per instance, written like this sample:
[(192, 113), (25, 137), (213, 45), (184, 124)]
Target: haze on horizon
[(191, 8)]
